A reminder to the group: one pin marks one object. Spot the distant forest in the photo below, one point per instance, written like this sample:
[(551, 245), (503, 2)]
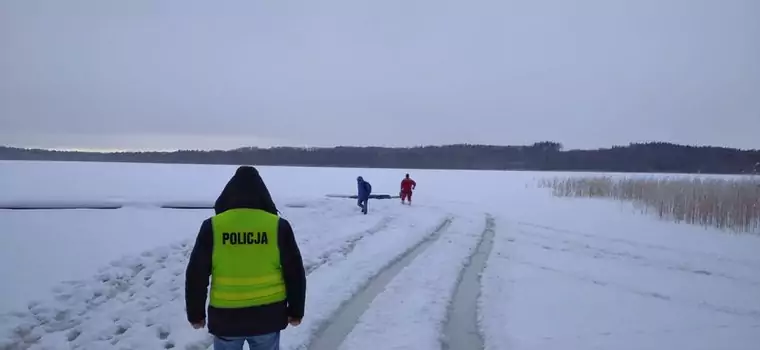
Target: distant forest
[(638, 157)]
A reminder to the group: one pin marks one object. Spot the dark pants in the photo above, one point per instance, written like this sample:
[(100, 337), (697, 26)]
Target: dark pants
[(363, 203)]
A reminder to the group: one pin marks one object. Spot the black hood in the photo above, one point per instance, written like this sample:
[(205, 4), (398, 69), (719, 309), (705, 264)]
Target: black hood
[(245, 189)]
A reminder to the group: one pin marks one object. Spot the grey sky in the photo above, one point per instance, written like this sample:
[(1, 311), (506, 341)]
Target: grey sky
[(170, 74)]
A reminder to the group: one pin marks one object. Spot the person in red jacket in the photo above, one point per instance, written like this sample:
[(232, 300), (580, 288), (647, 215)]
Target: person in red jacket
[(407, 185)]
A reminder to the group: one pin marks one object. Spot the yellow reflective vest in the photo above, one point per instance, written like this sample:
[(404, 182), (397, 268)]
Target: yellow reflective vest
[(245, 263)]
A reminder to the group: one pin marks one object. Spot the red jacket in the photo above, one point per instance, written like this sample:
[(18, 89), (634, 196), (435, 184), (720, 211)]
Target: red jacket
[(407, 185)]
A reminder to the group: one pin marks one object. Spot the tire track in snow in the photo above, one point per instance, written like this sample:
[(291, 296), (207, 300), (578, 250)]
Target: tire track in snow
[(343, 250), (329, 336), (461, 330), (411, 311)]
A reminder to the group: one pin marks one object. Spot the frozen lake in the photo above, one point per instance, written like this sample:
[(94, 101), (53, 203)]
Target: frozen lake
[(554, 273)]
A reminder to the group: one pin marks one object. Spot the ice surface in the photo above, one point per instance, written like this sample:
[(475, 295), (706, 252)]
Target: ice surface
[(548, 289), (563, 273), (43, 248)]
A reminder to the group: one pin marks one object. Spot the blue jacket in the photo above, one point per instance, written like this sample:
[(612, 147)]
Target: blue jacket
[(365, 189)]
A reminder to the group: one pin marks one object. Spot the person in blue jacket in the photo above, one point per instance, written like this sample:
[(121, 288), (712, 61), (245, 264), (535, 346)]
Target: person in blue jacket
[(365, 189)]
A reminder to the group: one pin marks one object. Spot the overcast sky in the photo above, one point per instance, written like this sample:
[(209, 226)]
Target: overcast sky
[(147, 74)]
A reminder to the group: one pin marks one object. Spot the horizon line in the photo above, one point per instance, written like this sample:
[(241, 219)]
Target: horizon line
[(170, 150)]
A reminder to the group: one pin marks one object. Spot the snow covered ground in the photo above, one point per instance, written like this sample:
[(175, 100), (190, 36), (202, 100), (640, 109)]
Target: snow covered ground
[(561, 274)]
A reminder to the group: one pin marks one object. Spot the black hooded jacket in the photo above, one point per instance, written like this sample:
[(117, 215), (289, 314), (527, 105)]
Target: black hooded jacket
[(245, 189)]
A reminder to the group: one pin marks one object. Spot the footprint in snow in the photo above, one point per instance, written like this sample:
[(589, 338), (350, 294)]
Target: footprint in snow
[(73, 334), (200, 344), (163, 332)]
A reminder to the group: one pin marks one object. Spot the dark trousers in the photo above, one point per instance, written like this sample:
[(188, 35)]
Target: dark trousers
[(363, 203)]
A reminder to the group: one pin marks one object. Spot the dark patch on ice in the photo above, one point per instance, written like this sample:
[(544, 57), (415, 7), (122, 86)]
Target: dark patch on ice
[(372, 196), (121, 329), (297, 205), (95, 205), (59, 204), (658, 296), (187, 207), (169, 345), (702, 272), (89, 207), (755, 314)]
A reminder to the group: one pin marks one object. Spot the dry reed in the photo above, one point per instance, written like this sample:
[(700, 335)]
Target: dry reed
[(729, 204)]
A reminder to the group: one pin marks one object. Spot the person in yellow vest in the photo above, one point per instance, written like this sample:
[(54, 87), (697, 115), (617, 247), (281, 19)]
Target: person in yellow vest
[(258, 281)]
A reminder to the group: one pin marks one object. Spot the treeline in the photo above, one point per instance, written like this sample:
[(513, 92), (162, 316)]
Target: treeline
[(639, 157)]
